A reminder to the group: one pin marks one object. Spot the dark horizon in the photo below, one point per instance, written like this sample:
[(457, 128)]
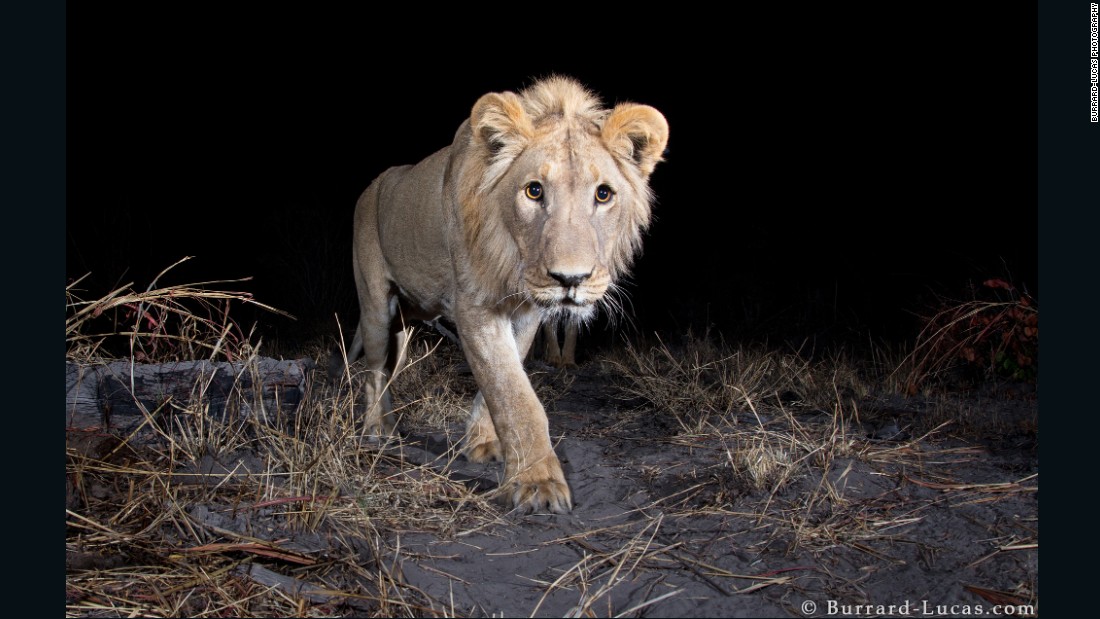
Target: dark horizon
[(798, 198)]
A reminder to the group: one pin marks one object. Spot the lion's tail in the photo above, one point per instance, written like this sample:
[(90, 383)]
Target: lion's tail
[(337, 363)]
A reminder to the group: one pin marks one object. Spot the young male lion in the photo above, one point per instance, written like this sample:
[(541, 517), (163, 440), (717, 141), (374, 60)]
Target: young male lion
[(531, 214)]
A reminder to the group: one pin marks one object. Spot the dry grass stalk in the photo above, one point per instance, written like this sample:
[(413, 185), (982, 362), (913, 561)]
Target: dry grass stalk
[(598, 572), (168, 323)]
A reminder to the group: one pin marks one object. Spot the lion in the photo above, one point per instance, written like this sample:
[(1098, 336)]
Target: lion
[(531, 214)]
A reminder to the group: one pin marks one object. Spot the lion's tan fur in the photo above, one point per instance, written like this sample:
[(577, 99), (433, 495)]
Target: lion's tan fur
[(458, 235)]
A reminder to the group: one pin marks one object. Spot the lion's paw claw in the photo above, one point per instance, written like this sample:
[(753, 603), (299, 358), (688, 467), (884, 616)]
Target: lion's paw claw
[(552, 496)]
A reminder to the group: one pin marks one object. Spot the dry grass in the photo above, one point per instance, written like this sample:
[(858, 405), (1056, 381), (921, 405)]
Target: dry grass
[(600, 570), (703, 382), (743, 399), (175, 522), (787, 431), (161, 323), (296, 512), (189, 516)]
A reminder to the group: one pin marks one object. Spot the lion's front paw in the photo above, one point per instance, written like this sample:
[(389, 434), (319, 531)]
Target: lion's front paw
[(380, 429), (379, 425), (485, 451), (548, 495), (540, 487), (379, 421)]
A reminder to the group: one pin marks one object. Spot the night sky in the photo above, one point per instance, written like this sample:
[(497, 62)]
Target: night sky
[(822, 181)]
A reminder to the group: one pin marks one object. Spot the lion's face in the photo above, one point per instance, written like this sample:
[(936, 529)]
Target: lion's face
[(568, 201), (562, 197)]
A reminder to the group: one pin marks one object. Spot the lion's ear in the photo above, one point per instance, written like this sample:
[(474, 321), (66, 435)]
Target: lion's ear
[(500, 124), (638, 133)]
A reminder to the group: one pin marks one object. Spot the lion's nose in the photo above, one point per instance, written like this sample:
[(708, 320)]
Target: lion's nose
[(570, 280)]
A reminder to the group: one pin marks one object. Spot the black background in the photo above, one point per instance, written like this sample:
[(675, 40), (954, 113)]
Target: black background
[(828, 174)]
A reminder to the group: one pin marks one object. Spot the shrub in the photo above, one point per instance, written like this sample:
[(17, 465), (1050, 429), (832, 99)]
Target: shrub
[(996, 333)]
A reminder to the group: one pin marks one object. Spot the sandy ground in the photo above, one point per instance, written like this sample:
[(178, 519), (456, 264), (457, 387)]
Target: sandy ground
[(932, 524), (903, 523)]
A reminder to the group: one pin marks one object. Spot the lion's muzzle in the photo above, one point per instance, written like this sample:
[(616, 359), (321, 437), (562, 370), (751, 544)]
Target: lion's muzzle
[(571, 291)]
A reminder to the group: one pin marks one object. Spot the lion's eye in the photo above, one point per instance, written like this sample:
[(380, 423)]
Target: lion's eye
[(604, 194), (533, 190)]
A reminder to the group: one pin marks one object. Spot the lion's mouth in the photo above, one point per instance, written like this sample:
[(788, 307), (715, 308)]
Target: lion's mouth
[(570, 298), (561, 297)]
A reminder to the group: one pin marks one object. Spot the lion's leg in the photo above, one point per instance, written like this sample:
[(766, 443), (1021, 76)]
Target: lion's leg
[(374, 331), (569, 348), (377, 308), (525, 329), (495, 351), (550, 336), (481, 442)]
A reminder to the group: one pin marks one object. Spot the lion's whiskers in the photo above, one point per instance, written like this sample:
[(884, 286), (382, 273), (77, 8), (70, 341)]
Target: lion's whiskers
[(614, 303)]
